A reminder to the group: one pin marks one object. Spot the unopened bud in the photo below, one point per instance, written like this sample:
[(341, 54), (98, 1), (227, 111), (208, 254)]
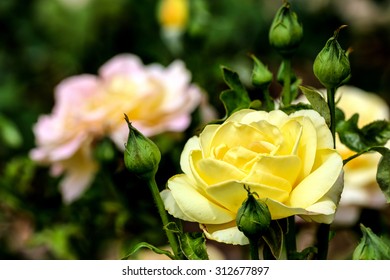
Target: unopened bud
[(331, 66), (286, 31), (253, 217), (261, 76), (142, 155), (371, 247)]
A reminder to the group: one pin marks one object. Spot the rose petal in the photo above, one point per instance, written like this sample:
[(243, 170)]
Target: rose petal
[(232, 194), (319, 182), (214, 171), (185, 158), (201, 208), (172, 207), (324, 137), (226, 233), (279, 210), (283, 169)]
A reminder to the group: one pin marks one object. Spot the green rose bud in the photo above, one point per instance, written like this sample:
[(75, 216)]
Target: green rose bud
[(286, 31), (331, 66), (371, 247), (253, 217), (261, 76), (141, 156)]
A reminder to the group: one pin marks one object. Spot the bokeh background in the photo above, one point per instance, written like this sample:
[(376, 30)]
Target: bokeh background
[(44, 41)]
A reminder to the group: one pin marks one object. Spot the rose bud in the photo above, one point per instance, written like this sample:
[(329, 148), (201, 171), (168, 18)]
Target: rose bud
[(331, 66), (253, 217), (261, 76), (142, 155), (286, 31)]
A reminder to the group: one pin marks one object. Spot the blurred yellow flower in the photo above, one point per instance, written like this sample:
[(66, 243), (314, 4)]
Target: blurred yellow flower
[(173, 14), (360, 173), (288, 160)]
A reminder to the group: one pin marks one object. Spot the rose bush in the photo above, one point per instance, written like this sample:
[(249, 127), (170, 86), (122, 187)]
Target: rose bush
[(88, 107), (288, 160)]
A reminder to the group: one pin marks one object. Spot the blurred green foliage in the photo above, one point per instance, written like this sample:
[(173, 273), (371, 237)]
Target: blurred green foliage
[(45, 41)]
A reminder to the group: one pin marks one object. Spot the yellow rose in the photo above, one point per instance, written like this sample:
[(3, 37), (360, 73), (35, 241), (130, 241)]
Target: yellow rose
[(288, 160)]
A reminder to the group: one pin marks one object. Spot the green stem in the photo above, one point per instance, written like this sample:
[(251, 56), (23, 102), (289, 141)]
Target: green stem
[(291, 244), (268, 100), (286, 92), (254, 248), (323, 241), (164, 217), (323, 229), (332, 108)]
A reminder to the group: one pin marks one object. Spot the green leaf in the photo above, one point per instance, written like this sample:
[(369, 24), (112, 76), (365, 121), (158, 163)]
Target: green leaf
[(233, 102), (148, 246), (317, 102), (173, 227), (371, 247), (274, 238), (236, 98), (376, 133), (383, 172), (193, 245), (232, 79)]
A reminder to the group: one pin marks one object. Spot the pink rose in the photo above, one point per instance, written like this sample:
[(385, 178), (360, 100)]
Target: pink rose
[(89, 107)]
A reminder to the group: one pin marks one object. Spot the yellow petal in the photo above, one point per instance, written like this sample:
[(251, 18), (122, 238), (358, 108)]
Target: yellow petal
[(240, 157), (206, 137), (329, 166), (284, 169), (276, 118), (191, 145), (324, 137), (226, 233), (292, 133), (172, 207), (234, 134), (194, 204), (214, 171), (279, 210), (232, 194)]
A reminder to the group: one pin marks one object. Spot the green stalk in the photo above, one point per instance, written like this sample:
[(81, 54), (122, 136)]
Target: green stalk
[(323, 229), (254, 248), (269, 103), (332, 108), (291, 244), (164, 218), (323, 241), (286, 92)]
